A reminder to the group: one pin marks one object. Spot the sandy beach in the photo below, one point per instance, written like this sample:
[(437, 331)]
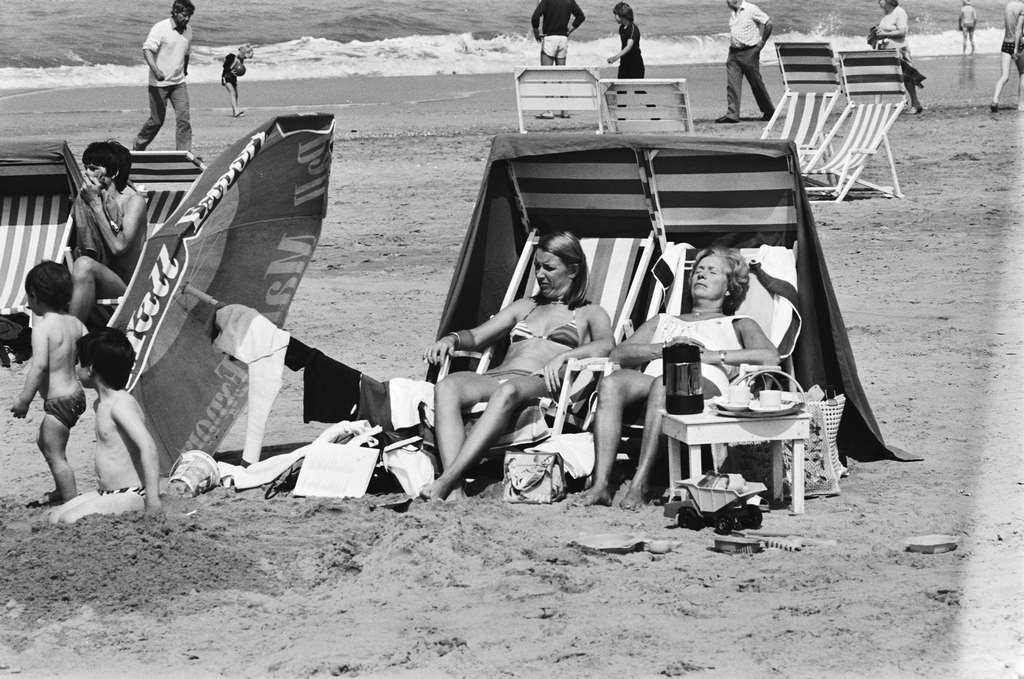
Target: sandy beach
[(230, 584)]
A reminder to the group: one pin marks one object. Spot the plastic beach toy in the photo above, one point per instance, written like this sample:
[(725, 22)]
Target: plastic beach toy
[(932, 544), (195, 472)]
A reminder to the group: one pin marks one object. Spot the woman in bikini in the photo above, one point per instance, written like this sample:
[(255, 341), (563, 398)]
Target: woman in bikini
[(544, 331), (718, 286)]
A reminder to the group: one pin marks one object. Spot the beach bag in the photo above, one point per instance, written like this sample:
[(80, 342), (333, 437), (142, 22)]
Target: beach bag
[(822, 466), (285, 481), (533, 478), (339, 463)]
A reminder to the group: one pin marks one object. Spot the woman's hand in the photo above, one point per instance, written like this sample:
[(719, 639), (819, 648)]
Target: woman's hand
[(553, 372), (437, 352)]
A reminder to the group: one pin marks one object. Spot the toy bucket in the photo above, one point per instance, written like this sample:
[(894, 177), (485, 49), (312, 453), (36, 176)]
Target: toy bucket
[(196, 471)]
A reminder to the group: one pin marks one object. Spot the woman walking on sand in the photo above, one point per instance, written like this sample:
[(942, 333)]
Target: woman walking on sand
[(891, 33), (631, 61)]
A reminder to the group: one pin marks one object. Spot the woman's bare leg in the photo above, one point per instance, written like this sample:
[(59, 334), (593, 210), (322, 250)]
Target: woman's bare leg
[(636, 496), (501, 406), (617, 392)]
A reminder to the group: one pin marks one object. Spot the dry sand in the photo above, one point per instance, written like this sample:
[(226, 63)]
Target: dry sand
[(235, 585)]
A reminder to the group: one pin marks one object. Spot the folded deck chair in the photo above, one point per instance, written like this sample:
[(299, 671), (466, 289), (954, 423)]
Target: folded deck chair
[(875, 95), (33, 228), (165, 177), (647, 105), (557, 88), (812, 89)]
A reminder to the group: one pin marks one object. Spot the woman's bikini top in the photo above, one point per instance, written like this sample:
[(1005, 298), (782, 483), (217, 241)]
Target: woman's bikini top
[(567, 334)]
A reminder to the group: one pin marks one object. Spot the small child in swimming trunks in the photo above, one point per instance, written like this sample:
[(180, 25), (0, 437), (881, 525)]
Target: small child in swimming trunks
[(127, 468), (52, 373)]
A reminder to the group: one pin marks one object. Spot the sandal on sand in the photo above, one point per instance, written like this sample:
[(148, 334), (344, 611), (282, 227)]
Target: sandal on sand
[(547, 115), (49, 499), (239, 114)]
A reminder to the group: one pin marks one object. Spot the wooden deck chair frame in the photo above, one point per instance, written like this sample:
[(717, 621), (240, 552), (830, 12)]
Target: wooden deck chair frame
[(876, 97), (648, 105), (813, 87), (520, 285), (33, 228), (557, 88)]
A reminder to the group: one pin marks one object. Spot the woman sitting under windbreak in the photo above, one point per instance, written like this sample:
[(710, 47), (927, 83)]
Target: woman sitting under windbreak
[(718, 285), (544, 332)]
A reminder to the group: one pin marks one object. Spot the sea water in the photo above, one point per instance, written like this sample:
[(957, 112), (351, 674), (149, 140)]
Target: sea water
[(70, 43)]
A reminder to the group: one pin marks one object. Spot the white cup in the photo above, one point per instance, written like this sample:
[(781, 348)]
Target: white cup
[(770, 398), (738, 395)]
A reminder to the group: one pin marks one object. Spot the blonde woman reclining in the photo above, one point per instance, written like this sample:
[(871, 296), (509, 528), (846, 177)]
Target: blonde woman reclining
[(718, 286), (544, 331)]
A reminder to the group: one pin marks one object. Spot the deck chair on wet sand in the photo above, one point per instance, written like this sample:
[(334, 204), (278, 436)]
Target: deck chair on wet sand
[(647, 105), (873, 81), (165, 177), (812, 90), (557, 88)]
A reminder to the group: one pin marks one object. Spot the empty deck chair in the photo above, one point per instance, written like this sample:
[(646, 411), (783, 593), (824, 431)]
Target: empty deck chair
[(37, 181), (557, 88), (647, 105), (165, 177), (812, 88), (873, 81)]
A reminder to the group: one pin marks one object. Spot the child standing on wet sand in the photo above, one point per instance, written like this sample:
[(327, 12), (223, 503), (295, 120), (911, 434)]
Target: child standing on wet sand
[(125, 450), (234, 66), (52, 374), (631, 61)]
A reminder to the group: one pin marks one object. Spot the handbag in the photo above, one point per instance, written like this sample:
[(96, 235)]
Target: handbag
[(533, 478)]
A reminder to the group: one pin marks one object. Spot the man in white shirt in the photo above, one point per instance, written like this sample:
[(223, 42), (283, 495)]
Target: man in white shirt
[(749, 28), (166, 52)]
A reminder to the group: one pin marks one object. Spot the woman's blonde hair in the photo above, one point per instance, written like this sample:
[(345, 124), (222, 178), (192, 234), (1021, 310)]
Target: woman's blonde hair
[(566, 246), (737, 278)]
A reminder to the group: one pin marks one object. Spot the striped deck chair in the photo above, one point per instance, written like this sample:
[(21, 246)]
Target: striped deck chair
[(812, 89), (617, 268), (33, 228), (165, 177), (557, 88), (648, 105), (873, 81), (717, 195)]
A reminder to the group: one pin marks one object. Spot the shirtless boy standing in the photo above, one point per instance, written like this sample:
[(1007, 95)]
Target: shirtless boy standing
[(125, 450), (1013, 24), (52, 374)]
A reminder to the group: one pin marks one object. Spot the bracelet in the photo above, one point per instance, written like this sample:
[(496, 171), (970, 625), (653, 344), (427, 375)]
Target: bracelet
[(465, 339), (456, 336), (721, 356)]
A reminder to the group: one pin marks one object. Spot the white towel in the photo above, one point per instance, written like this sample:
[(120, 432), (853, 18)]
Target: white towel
[(257, 474), (577, 451), (405, 397)]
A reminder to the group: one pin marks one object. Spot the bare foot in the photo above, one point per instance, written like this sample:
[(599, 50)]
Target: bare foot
[(634, 498), (439, 489), (597, 496)]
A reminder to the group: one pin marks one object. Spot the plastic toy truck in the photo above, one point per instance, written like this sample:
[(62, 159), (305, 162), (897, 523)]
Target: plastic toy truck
[(719, 500)]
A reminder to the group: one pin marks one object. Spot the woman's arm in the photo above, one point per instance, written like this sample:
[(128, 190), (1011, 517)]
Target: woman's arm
[(480, 337), (639, 348), (598, 327), (757, 348), (898, 29), (623, 52)]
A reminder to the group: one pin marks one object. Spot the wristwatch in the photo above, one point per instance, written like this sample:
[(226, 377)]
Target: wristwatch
[(721, 356)]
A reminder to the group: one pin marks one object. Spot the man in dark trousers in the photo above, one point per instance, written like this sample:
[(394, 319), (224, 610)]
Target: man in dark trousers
[(552, 30), (749, 28)]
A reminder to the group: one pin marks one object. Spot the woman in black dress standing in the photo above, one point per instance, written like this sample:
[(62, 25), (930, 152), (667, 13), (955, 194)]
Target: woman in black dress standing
[(631, 61)]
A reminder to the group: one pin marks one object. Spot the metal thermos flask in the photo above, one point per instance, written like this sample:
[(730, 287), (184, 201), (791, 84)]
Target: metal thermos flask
[(684, 393)]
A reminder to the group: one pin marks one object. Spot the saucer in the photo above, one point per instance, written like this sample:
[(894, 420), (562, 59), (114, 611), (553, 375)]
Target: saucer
[(720, 402), (756, 407)]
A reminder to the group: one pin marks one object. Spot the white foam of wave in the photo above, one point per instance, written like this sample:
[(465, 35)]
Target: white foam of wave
[(431, 55)]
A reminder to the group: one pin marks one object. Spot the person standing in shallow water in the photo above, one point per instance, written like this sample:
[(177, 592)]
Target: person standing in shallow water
[(631, 60), (966, 23), (166, 52)]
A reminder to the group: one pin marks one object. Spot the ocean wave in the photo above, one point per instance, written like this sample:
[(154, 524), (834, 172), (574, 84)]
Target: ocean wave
[(465, 53)]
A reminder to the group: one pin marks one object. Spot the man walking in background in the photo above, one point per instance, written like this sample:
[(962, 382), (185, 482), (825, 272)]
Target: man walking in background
[(552, 30), (749, 29), (166, 52), (1010, 52)]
